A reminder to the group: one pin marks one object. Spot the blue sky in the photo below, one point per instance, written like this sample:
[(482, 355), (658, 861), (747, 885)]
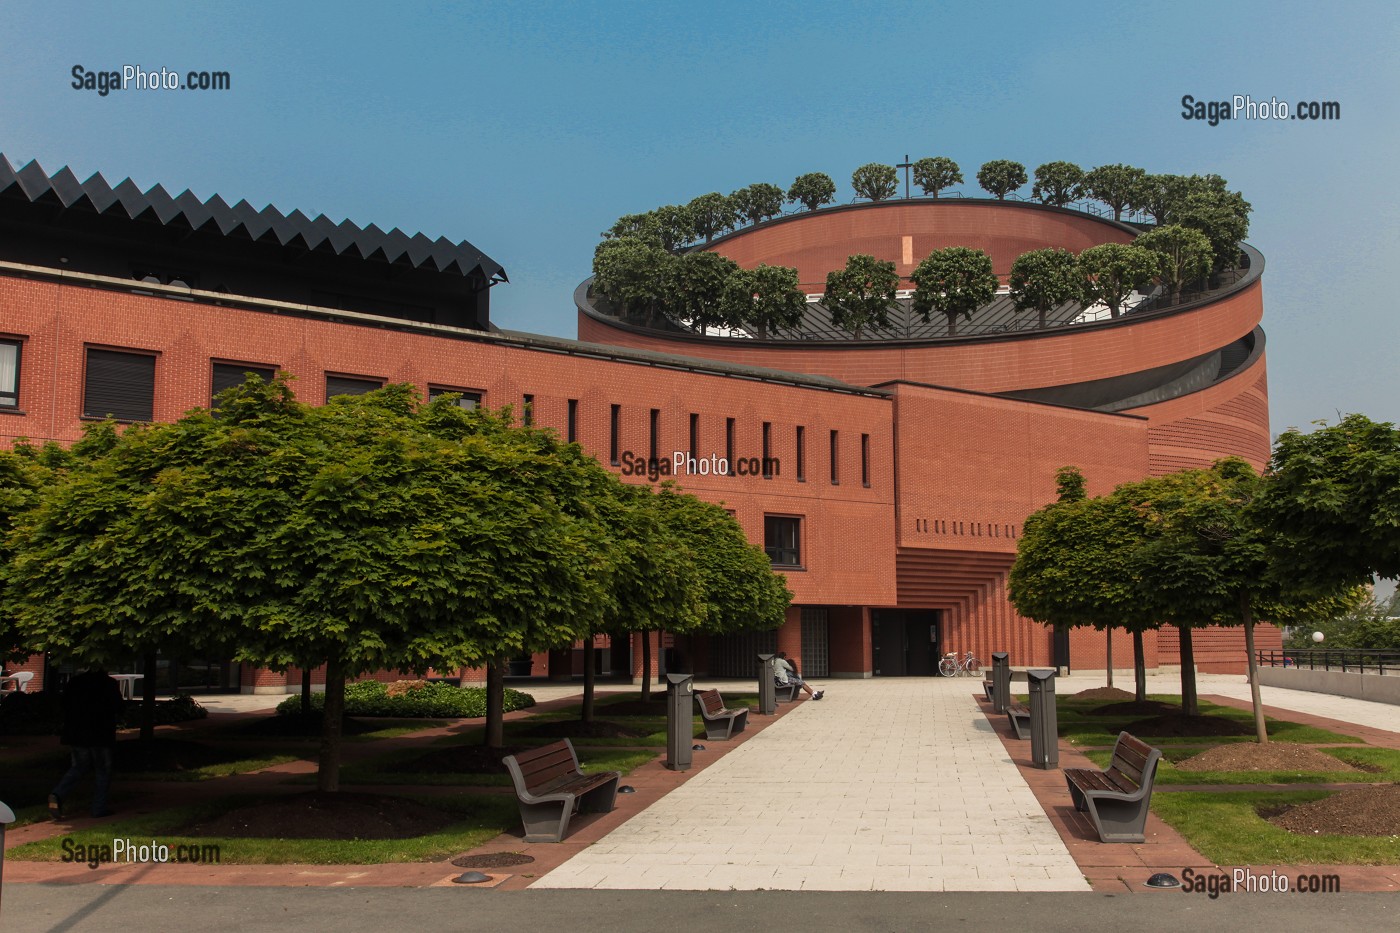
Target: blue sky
[(527, 128)]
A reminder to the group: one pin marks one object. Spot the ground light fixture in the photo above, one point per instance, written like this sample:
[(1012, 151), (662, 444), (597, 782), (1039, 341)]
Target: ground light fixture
[(627, 789), (471, 877), (1162, 879), (697, 747)]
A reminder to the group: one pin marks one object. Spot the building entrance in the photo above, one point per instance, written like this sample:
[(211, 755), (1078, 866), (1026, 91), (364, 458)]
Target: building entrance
[(905, 642)]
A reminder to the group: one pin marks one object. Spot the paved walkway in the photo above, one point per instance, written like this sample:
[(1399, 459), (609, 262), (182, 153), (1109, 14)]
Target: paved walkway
[(887, 784)]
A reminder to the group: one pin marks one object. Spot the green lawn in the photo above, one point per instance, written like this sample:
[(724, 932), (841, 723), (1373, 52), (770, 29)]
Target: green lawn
[(1079, 727), (1385, 759), (476, 819), (1225, 828), (374, 771)]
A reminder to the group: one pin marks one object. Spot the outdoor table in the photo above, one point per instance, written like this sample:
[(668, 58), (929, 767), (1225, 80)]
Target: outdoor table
[(126, 682)]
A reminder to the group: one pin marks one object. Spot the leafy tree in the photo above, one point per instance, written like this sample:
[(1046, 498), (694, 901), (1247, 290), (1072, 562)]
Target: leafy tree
[(1362, 623), (1000, 177), (695, 288), (1115, 185), (1183, 254), (1112, 271), (1058, 183), (712, 214), (635, 227), (673, 225), (1160, 196), (764, 299), (875, 181), (1044, 279), (955, 282), (862, 294), (759, 202), (630, 273), (812, 190), (26, 472), (935, 174), (1222, 215), (1333, 502)]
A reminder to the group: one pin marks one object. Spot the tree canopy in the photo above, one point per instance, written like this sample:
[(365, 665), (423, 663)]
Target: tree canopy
[(955, 282), (1044, 279), (861, 295), (1115, 185), (1000, 177), (1222, 215), (694, 288), (1058, 183), (629, 273), (712, 214), (935, 174), (812, 190), (758, 202), (1182, 255), (875, 181), (1113, 271), (764, 298)]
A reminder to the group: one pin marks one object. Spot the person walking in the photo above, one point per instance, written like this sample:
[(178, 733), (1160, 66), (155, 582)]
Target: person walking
[(92, 706)]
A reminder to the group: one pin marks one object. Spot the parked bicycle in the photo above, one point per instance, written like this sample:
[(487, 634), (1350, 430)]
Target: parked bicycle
[(951, 666)]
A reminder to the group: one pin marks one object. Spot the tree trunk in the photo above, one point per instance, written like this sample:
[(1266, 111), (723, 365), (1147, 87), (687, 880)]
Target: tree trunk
[(495, 735), (646, 667), (1139, 669), (149, 671), (1109, 644), (1041, 317), (1247, 615), (589, 678), (1189, 706), (328, 772), (952, 325), (306, 691)]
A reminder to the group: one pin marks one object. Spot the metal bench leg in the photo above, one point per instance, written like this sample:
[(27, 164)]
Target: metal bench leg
[(1120, 820), (544, 822), (600, 799)]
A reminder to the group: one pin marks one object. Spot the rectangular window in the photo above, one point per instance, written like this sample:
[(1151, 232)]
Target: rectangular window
[(120, 384), (782, 540), (9, 373), (729, 443), (801, 454), (350, 385), (469, 399), (228, 375), (527, 411), (614, 430), (835, 458), (767, 450), (654, 434), (695, 435), (865, 460), (573, 421)]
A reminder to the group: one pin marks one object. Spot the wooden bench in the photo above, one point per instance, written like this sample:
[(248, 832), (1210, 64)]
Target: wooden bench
[(1117, 799), (551, 789), (720, 723), (1020, 718)]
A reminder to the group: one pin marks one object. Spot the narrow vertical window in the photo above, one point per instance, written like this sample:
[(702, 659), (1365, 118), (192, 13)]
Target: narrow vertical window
[(654, 434), (695, 435), (527, 409), (767, 450), (729, 442), (614, 427), (9, 373), (865, 460), (573, 421), (835, 458), (801, 454)]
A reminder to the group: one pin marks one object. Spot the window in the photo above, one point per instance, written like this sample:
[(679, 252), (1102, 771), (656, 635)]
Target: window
[(865, 460), (801, 454), (119, 383), (228, 375), (694, 435), (527, 410), (729, 443), (469, 400), (9, 373), (350, 385), (573, 420), (614, 429), (835, 458), (767, 450), (782, 540), (654, 435)]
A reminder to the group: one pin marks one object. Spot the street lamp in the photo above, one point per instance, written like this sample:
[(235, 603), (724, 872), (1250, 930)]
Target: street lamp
[(1319, 637)]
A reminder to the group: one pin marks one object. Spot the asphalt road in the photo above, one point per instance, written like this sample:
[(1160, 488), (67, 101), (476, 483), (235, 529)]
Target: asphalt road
[(33, 908)]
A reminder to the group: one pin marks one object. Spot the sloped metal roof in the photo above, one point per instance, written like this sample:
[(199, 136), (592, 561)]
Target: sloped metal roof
[(242, 220)]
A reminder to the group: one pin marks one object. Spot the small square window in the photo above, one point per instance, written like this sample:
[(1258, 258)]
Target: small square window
[(470, 398), (228, 375), (350, 385), (119, 384), (782, 540)]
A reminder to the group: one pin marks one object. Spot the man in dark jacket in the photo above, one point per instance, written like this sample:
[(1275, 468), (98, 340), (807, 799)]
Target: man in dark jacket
[(92, 705)]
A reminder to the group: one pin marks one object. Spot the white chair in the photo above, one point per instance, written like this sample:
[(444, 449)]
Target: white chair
[(21, 682)]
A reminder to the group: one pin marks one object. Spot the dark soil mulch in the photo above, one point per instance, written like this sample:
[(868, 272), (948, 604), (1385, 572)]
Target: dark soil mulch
[(1251, 756), (170, 755), (657, 707), (1361, 811), (1107, 694), (493, 860), (297, 726), (1134, 708), (459, 759), (575, 728), (326, 816), (1177, 724)]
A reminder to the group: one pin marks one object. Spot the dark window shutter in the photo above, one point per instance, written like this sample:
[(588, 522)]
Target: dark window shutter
[(122, 385), (348, 385), (228, 375)]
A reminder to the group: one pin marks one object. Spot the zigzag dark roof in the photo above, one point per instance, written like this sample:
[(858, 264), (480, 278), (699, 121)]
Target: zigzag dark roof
[(243, 220)]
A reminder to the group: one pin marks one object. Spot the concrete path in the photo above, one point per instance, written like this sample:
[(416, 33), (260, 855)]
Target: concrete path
[(890, 785)]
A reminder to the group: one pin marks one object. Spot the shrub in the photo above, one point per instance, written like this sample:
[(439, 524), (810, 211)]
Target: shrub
[(415, 700)]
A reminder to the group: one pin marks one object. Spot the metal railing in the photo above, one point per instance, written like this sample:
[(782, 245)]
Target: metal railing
[(1348, 660)]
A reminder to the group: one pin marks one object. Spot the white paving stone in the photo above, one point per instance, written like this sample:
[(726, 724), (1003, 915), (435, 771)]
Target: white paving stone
[(891, 784)]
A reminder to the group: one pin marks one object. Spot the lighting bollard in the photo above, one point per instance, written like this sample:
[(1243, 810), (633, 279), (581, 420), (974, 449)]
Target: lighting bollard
[(7, 816), (1045, 733), (1001, 681), (680, 722), (767, 691)]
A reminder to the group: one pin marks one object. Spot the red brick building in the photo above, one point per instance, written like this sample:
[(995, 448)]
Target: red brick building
[(905, 462)]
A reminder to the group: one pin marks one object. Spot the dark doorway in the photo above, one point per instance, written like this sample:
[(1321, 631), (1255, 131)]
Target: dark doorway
[(1061, 649), (905, 642)]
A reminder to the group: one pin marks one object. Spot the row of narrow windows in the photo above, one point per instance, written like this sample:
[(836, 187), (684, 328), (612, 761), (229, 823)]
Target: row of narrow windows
[(975, 529)]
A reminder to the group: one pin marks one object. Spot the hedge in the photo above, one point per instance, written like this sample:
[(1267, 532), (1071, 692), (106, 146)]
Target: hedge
[(420, 701)]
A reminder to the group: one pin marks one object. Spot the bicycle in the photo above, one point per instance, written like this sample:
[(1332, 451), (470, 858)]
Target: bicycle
[(950, 666)]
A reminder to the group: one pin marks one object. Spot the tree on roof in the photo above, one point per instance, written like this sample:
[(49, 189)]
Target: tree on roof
[(764, 299), (1115, 185), (1000, 177), (812, 190), (1113, 271), (1183, 255), (955, 282), (759, 202), (875, 181), (1044, 279), (861, 295), (1058, 183), (712, 214), (936, 173)]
